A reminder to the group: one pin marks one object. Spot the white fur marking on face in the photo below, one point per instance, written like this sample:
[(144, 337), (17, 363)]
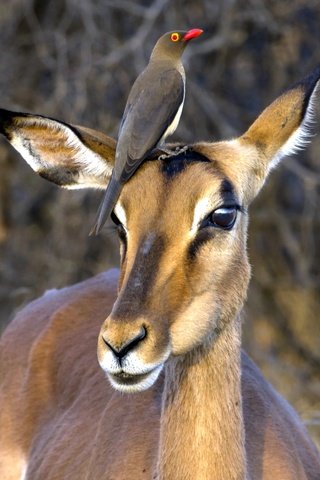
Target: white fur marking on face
[(109, 362), (132, 365), (121, 214), (138, 387), (201, 210), (301, 138)]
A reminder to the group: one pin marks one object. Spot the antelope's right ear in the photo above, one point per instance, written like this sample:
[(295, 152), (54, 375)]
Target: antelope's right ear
[(69, 156), (284, 128)]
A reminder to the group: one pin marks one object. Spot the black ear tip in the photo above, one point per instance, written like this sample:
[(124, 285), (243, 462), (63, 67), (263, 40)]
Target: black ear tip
[(309, 82), (307, 86), (5, 119), (5, 113)]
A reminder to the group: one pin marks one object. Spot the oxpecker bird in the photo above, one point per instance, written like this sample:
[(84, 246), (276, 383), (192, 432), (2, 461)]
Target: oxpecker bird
[(152, 113)]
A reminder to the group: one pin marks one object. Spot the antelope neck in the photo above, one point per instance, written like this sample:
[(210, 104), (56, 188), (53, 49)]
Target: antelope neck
[(202, 431)]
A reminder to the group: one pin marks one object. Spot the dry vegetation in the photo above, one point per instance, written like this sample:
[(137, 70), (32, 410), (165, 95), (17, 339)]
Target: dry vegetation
[(76, 60)]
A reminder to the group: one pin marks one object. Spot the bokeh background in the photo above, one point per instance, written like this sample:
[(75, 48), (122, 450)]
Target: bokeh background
[(76, 60)]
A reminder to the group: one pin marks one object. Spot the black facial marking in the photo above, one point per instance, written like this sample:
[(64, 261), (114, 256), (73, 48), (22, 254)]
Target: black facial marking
[(202, 237), (227, 193), (307, 85), (175, 164), (141, 279), (228, 198)]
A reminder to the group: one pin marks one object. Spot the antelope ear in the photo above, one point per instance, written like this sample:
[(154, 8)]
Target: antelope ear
[(70, 156), (282, 129)]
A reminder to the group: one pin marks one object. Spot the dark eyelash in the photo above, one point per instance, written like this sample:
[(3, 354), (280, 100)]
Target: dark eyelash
[(242, 209)]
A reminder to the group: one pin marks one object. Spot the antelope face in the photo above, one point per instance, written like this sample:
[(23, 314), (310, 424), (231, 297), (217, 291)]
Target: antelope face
[(184, 268)]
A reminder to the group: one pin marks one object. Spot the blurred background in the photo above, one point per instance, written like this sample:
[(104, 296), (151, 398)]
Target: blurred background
[(76, 60)]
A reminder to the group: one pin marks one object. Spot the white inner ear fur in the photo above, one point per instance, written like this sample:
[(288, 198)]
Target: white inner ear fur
[(302, 136), (90, 164)]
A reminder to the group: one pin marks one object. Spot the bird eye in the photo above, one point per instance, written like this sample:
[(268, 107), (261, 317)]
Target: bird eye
[(175, 37), (223, 217)]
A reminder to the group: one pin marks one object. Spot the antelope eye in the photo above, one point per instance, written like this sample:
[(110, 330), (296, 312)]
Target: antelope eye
[(223, 217)]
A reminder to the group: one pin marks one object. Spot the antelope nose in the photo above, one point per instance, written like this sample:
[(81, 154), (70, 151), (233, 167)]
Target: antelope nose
[(121, 351)]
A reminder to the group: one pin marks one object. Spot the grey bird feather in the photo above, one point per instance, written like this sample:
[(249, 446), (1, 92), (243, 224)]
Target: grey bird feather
[(152, 113)]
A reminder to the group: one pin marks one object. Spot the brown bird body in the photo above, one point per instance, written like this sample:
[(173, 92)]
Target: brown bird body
[(152, 113)]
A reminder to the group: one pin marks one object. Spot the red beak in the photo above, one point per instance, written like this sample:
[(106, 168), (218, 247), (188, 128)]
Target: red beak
[(194, 33)]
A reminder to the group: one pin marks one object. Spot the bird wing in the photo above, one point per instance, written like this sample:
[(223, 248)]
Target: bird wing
[(151, 108)]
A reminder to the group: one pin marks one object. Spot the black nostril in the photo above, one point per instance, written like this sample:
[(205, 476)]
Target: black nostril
[(129, 345)]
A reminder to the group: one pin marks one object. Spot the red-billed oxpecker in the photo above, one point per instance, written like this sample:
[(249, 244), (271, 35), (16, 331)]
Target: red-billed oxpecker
[(152, 113)]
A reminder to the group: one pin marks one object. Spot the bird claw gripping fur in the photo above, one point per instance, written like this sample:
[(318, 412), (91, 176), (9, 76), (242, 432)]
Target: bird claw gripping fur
[(172, 153)]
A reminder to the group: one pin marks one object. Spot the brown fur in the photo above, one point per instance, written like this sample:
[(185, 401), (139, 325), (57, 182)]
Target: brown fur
[(211, 414), (63, 415)]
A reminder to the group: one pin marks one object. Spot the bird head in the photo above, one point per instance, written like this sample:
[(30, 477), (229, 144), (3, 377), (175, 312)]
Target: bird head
[(173, 43)]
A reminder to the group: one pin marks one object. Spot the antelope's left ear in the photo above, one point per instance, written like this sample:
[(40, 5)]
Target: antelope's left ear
[(282, 129), (67, 155)]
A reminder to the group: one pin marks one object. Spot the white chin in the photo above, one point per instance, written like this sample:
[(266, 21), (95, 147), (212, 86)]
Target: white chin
[(134, 383)]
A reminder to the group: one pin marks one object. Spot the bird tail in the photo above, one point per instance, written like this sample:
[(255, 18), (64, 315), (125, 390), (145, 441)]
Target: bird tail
[(106, 206)]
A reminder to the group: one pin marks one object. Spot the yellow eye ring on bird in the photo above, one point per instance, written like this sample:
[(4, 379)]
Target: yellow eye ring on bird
[(175, 37)]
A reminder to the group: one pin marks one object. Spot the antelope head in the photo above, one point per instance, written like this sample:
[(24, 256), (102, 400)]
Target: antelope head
[(184, 270), (182, 223)]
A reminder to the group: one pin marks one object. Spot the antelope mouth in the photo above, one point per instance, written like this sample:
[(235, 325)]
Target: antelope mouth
[(128, 378), (128, 382)]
